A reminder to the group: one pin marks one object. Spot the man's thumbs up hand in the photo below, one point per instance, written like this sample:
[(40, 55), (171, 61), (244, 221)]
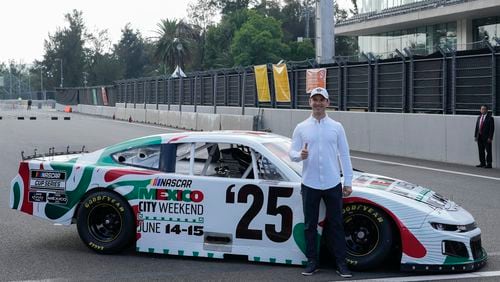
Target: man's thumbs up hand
[(304, 153)]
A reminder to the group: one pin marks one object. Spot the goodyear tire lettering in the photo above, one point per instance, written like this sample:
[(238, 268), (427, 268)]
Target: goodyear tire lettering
[(106, 222), (369, 236)]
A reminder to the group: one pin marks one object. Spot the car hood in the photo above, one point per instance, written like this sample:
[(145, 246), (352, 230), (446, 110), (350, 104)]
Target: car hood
[(403, 189)]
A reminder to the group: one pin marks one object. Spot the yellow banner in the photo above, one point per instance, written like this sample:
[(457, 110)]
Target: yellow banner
[(315, 78), (281, 84), (262, 83)]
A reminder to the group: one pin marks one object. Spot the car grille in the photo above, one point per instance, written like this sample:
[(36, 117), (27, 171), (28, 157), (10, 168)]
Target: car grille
[(475, 246)]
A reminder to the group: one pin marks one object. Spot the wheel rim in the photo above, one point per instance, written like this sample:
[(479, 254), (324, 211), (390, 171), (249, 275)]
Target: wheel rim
[(104, 222), (362, 234)]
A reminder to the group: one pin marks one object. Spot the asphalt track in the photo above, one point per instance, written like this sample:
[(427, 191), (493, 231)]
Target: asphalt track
[(34, 250)]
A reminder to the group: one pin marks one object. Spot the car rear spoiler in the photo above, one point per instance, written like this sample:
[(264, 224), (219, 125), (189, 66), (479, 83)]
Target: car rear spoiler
[(52, 152)]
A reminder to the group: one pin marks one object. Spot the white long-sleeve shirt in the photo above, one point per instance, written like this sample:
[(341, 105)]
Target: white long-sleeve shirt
[(326, 143)]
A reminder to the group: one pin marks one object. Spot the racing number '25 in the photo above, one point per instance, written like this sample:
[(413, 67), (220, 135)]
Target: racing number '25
[(242, 229)]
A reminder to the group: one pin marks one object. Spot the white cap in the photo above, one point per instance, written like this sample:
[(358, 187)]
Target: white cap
[(321, 91)]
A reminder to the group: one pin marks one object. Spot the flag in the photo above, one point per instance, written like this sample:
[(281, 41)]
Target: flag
[(262, 83)]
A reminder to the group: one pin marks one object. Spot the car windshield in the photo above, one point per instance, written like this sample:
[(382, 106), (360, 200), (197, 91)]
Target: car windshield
[(280, 149)]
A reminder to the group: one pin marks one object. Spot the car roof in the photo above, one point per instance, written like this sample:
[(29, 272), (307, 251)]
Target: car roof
[(222, 136)]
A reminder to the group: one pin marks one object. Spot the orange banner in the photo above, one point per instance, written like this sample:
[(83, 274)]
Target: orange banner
[(315, 78), (104, 96), (281, 84), (262, 83)]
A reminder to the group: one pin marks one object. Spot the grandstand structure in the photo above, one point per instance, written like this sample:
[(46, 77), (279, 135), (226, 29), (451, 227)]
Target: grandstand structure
[(423, 25)]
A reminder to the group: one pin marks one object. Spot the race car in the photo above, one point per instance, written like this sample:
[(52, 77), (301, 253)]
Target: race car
[(213, 194)]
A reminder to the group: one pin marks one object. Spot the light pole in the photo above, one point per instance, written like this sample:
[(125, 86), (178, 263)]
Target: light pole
[(85, 79), (61, 65), (41, 81)]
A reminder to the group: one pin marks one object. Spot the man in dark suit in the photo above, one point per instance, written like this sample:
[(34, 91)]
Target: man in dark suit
[(485, 127)]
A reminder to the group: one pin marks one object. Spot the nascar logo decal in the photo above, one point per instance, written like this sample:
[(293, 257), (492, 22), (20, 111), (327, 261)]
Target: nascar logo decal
[(48, 180)]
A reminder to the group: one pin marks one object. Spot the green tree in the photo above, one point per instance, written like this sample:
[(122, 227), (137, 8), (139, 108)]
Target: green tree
[(227, 7), (176, 43), (258, 41), (102, 67), (218, 40), (130, 52), (270, 8), (66, 48), (293, 19), (300, 51), (201, 16)]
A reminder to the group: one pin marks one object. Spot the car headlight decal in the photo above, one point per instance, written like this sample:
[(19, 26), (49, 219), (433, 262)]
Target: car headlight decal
[(453, 227)]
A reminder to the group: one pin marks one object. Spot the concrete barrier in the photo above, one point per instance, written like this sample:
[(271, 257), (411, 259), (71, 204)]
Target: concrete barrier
[(187, 108), (205, 109), (163, 107), (208, 122), (150, 106), (152, 116), (108, 112), (188, 120), (173, 119), (237, 122), (121, 114), (138, 115), (229, 110)]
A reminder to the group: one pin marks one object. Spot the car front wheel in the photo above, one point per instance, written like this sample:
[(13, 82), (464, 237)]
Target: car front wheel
[(369, 236), (105, 222)]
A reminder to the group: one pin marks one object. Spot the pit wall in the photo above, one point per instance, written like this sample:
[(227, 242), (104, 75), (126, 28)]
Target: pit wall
[(444, 138)]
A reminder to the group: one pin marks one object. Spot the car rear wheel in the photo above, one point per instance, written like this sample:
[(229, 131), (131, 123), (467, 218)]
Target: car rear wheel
[(369, 237), (105, 222)]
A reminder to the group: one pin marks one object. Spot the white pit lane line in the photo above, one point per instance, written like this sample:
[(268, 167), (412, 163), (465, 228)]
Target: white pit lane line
[(428, 168), (474, 275)]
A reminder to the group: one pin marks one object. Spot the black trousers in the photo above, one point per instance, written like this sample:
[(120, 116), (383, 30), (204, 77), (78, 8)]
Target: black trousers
[(311, 199), (483, 145)]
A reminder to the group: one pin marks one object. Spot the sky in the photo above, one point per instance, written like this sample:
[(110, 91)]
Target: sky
[(25, 24)]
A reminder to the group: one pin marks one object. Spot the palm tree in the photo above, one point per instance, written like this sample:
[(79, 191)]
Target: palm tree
[(175, 43)]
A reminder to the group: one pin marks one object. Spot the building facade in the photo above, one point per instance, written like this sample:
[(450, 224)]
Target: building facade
[(385, 25)]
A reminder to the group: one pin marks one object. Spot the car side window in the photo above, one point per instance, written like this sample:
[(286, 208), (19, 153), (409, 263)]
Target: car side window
[(214, 159), (182, 158), (145, 157), (267, 170), (235, 161)]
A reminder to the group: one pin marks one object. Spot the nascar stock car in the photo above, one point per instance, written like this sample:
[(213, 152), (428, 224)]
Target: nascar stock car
[(212, 194)]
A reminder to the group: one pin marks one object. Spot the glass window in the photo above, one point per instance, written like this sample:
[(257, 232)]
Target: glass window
[(267, 170), (486, 28), (422, 39), (366, 6), (146, 157), (280, 150), (182, 158), (215, 159)]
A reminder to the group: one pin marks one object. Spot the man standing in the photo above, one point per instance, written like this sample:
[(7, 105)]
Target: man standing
[(319, 142), (483, 134)]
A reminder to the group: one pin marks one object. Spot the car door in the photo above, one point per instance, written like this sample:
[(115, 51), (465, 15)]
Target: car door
[(230, 200)]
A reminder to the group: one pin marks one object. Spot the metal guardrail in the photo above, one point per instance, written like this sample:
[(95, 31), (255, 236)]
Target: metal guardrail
[(446, 82)]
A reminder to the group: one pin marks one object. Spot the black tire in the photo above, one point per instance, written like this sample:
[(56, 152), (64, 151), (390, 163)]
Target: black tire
[(106, 222), (369, 236)]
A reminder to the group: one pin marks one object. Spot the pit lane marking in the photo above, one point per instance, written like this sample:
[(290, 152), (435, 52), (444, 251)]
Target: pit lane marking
[(475, 275), (428, 168)]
